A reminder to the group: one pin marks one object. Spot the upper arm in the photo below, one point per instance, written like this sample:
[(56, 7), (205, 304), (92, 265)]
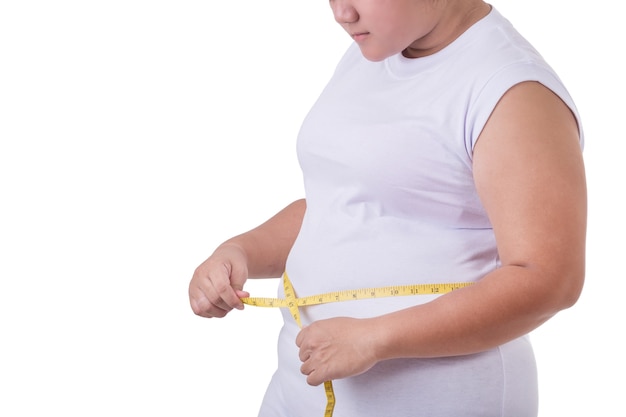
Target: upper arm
[(529, 173)]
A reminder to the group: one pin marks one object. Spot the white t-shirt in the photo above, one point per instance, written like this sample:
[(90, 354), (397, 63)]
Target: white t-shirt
[(386, 155)]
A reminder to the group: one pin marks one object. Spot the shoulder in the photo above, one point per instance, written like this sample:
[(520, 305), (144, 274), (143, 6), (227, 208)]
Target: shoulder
[(506, 59)]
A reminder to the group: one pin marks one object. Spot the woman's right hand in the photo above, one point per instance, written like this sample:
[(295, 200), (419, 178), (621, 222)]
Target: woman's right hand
[(217, 284)]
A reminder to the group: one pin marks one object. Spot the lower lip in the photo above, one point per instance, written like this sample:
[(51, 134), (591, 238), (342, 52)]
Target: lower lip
[(359, 36)]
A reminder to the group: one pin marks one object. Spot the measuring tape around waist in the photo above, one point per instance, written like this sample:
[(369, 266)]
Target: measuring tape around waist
[(292, 303)]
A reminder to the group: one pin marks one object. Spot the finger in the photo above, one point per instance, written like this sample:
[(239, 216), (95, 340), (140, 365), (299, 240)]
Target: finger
[(228, 298), (304, 355), (216, 302), (300, 337), (202, 307), (242, 294), (204, 301), (306, 369), (314, 379), (222, 295)]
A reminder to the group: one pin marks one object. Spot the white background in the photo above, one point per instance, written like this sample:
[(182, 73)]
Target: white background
[(135, 136)]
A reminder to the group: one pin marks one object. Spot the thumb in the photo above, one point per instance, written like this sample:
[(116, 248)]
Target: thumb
[(238, 276), (242, 294)]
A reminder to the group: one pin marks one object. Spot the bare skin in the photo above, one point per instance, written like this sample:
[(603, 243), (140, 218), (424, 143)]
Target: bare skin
[(529, 173)]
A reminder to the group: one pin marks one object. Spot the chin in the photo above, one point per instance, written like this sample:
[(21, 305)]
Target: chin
[(375, 56)]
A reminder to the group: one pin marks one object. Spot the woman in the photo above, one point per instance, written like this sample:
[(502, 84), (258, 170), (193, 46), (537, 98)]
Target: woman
[(443, 149)]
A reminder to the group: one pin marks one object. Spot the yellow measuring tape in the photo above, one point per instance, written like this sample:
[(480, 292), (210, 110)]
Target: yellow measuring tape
[(292, 303)]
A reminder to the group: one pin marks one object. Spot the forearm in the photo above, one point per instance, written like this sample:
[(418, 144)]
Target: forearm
[(266, 247), (506, 304)]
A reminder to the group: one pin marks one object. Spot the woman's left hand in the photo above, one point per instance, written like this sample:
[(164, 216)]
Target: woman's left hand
[(336, 348)]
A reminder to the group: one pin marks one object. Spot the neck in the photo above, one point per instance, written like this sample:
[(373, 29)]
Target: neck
[(455, 19)]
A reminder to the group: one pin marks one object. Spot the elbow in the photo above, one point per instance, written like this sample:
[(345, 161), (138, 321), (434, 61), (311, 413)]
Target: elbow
[(573, 288), (567, 286), (554, 288)]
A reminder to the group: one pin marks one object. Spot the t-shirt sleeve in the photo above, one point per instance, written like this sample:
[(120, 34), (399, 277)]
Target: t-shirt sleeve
[(493, 90)]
